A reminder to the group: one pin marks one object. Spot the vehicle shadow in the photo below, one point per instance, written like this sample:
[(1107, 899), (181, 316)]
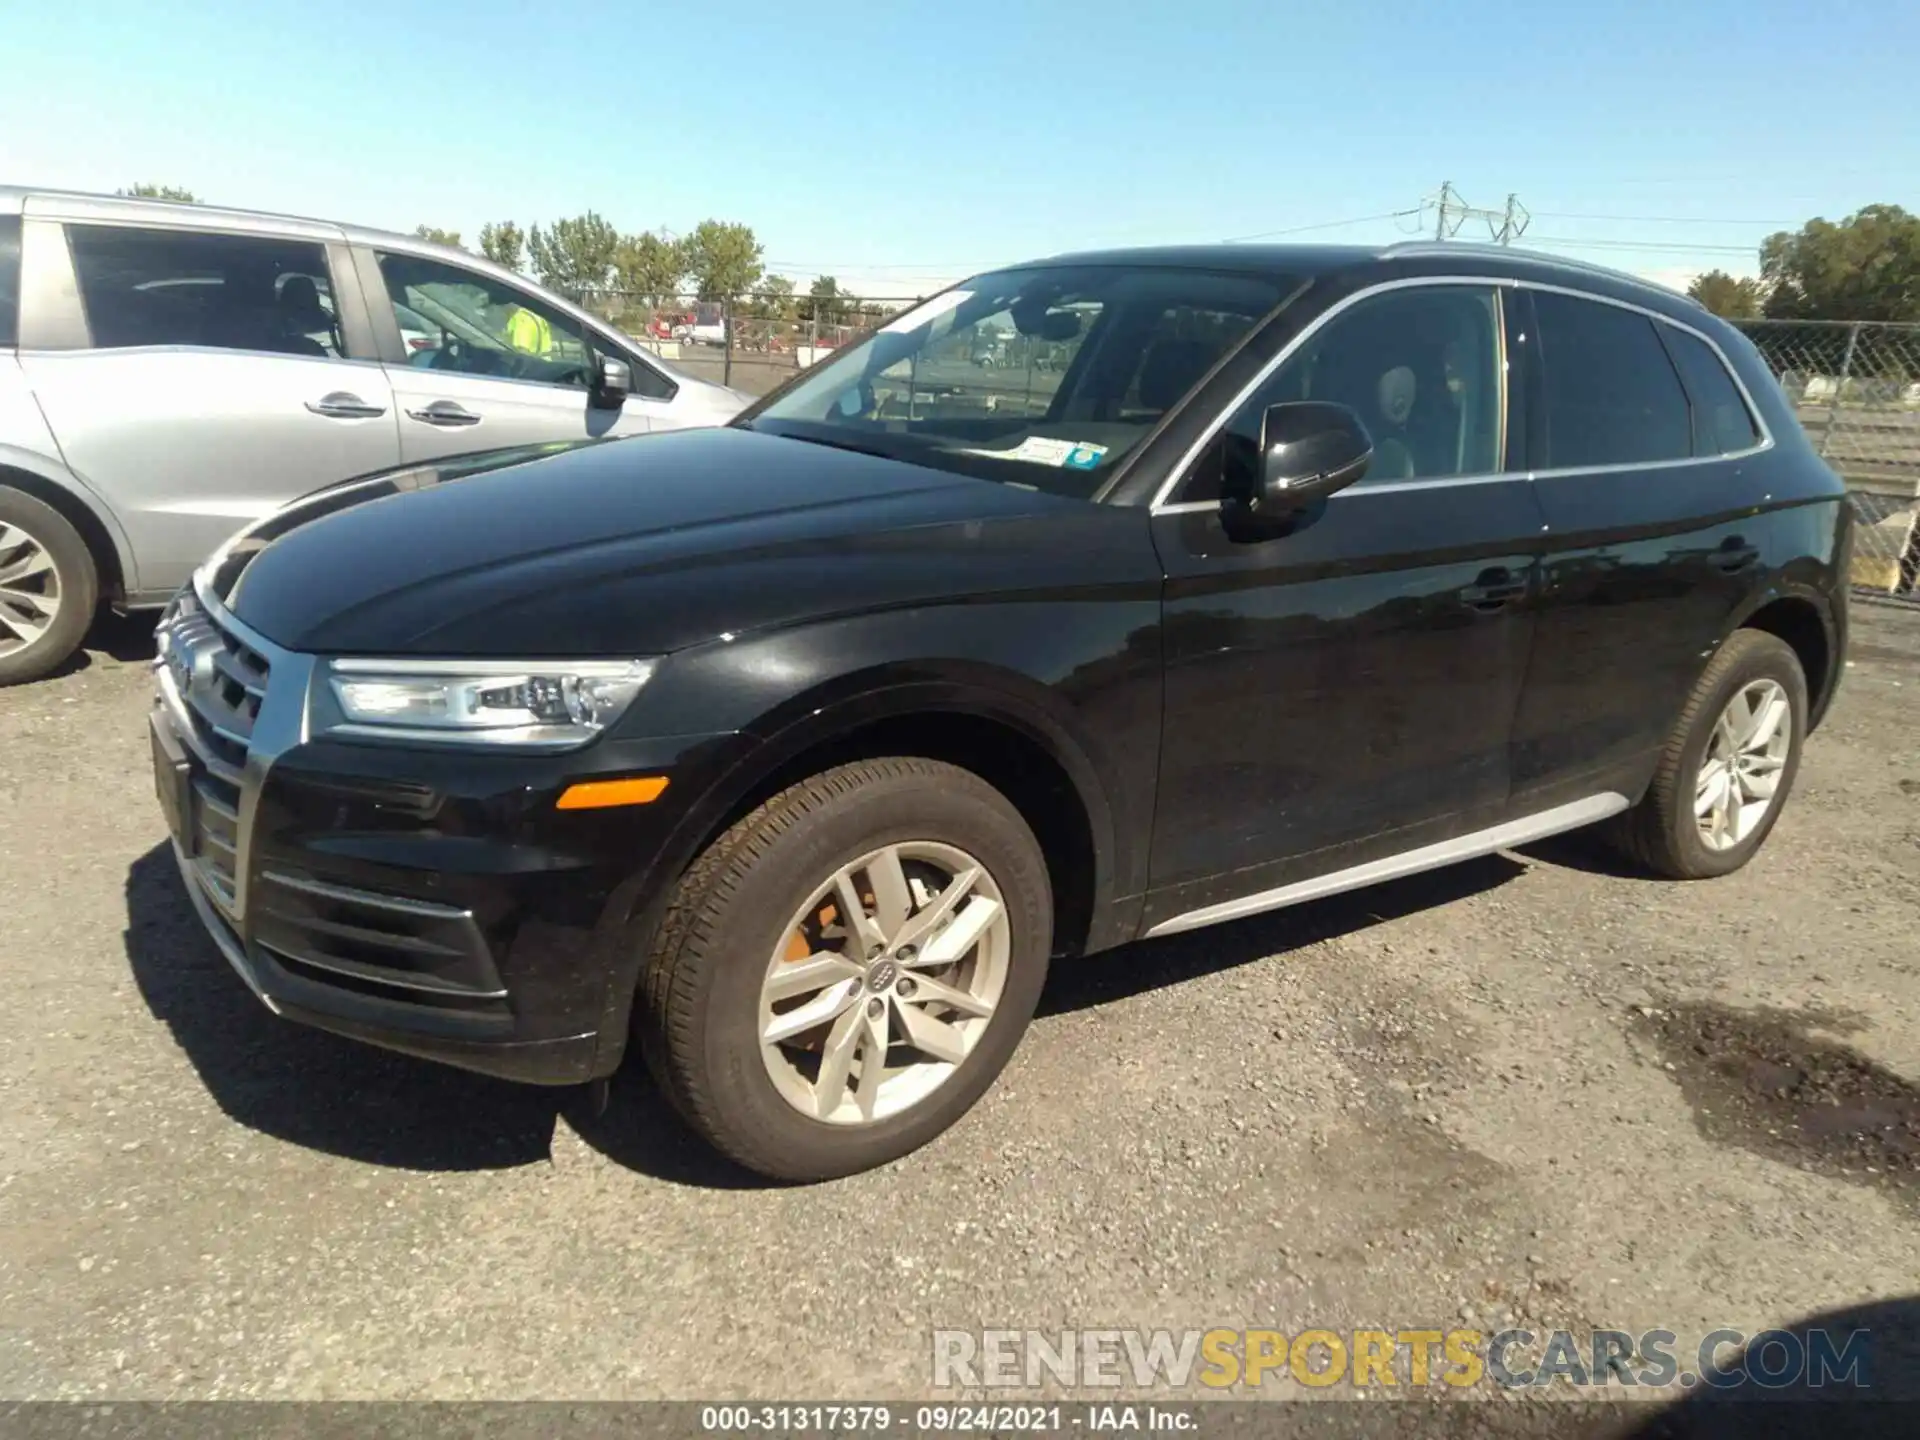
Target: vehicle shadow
[(1813, 1400), (303, 1085), (1174, 959), (127, 638), (1585, 850), (345, 1098)]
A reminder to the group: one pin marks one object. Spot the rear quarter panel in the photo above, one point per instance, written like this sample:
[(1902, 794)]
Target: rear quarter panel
[(27, 444)]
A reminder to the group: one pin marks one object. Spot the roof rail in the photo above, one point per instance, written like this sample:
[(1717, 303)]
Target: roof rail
[(1476, 247)]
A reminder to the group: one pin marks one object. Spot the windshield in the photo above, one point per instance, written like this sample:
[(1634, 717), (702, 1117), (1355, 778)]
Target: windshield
[(1043, 377)]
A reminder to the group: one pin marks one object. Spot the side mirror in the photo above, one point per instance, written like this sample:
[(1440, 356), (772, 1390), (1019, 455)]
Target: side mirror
[(613, 382), (1308, 450)]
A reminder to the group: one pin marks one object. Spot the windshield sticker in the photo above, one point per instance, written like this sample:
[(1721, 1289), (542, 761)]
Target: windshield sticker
[(1042, 450), (923, 314)]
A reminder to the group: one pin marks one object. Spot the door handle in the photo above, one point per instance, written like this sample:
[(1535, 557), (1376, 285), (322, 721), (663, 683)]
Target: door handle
[(444, 412), (345, 405), (1732, 557), (1494, 589)]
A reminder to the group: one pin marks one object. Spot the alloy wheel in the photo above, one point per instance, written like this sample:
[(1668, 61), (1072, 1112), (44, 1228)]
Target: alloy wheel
[(884, 982), (29, 589), (1741, 767)]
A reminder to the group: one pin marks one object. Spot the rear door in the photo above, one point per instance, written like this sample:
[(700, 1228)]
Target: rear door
[(1644, 452), (499, 366), (209, 377)]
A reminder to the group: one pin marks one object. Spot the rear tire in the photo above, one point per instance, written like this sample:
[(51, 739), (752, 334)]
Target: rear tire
[(1726, 770), (49, 588), (757, 909)]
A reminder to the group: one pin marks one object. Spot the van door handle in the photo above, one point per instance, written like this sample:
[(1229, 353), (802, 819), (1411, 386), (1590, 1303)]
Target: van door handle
[(1494, 589), (1733, 558), (345, 405), (445, 412)]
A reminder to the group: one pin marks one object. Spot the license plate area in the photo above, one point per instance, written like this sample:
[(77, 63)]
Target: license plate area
[(173, 784)]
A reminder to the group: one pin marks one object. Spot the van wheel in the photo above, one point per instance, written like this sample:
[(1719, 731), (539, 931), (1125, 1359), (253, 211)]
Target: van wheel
[(841, 975), (1728, 766), (48, 588)]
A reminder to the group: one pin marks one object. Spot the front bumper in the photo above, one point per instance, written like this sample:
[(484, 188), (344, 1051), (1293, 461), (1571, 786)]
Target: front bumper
[(429, 901)]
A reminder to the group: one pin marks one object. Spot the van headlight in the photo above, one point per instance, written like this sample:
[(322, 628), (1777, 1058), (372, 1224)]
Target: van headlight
[(544, 704)]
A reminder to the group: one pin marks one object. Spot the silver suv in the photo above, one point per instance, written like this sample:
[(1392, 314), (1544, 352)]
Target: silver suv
[(169, 373)]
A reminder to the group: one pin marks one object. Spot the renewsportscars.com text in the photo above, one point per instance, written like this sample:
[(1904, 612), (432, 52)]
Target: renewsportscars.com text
[(1223, 1359)]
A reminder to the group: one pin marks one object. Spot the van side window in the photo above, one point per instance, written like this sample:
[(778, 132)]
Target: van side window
[(221, 292), (1612, 396), (1722, 424)]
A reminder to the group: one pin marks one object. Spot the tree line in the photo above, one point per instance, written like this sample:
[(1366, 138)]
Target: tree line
[(585, 256), (1865, 267)]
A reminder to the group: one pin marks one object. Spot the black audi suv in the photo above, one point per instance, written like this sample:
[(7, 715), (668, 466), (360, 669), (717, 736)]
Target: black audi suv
[(789, 754)]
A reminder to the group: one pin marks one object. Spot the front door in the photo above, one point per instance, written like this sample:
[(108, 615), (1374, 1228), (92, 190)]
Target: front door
[(213, 388), (497, 365), (1347, 690)]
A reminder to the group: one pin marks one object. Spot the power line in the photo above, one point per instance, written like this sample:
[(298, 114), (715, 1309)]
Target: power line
[(928, 267), (1649, 245), (936, 267), (1655, 219), (1322, 225)]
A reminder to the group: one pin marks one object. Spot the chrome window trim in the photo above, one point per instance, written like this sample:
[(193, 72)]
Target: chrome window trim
[(1358, 492), (1161, 505)]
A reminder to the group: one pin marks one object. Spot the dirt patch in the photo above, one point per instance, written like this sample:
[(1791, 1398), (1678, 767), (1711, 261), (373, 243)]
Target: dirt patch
[(1762, 1080)]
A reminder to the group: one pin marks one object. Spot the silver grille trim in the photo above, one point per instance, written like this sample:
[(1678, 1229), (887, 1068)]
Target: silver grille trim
[(237, 701)]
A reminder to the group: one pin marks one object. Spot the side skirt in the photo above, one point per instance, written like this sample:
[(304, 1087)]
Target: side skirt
[(1428, 857)]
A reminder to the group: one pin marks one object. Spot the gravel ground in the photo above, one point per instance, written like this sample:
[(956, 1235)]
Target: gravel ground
[(1535, 1087)]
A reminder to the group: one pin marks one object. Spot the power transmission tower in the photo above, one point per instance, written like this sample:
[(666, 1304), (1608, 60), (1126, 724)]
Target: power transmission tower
[(1452, 211), (1513, 221)]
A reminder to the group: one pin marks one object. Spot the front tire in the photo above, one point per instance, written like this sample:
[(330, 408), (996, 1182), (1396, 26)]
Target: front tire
[(804, 1047), (1728, 766), (48, 588)]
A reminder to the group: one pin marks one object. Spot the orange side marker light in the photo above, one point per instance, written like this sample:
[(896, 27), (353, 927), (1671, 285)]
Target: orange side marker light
[(602, 794)]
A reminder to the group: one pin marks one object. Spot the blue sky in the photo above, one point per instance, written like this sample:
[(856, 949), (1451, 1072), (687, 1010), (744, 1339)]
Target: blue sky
[(901, 146)]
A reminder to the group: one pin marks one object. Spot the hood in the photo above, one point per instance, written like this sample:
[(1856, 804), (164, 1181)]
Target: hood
[(643, 547)]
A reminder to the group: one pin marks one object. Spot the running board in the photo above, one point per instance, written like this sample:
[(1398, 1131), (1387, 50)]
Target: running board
[(1427, 857)]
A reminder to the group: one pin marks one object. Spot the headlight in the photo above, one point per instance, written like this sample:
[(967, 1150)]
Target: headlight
[(549, 704)]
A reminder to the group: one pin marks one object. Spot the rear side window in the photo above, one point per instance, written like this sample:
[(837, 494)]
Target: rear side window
[(1722, 423), (9, 281), (1612, 397), (221, 292)]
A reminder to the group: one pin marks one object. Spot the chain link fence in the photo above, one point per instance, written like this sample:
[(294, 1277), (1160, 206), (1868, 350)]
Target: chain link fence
[(753, 345), (1856, 388)]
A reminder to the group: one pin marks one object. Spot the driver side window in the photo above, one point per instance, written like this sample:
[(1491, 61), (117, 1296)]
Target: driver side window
[(1421, 367), (472, 324)]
